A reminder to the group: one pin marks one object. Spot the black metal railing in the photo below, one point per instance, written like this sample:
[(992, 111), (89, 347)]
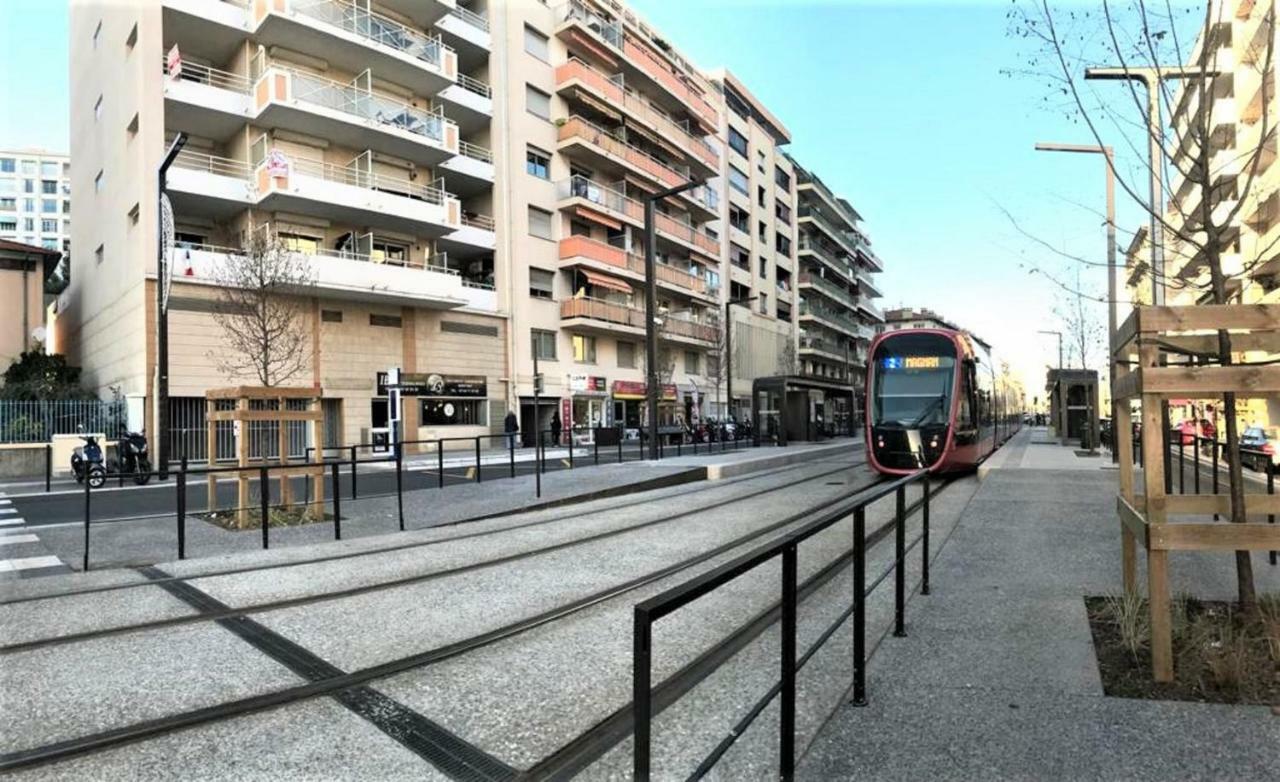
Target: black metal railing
[(786, 547)]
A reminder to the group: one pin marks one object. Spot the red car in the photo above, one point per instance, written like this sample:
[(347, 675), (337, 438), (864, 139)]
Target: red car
[(1190, 429)]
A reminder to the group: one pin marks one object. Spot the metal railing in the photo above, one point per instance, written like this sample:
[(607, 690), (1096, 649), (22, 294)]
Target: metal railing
[(576, 126), (610, 312), (475, 152), (831, 256), (362, 178), (828, 287), (471, 17), (840, 319), (847, 239), (483, 222), (790, 663), (611, 255), (578, 186), (349, 99), (213, 77), (37, 421), (436, 263), (472, 84), (373, 27), (213, 164)]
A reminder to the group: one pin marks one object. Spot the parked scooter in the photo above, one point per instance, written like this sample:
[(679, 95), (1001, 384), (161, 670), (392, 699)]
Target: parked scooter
[(133, 458), (87, 462)]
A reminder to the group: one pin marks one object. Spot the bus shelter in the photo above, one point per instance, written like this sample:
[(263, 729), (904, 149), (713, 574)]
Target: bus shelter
[(793, 407)]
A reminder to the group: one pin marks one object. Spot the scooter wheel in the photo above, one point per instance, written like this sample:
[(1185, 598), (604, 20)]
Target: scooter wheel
[(97, 477), (144, 473)]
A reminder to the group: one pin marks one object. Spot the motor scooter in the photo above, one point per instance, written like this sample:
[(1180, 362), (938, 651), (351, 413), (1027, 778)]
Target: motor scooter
[(132, 449), (86, 462)]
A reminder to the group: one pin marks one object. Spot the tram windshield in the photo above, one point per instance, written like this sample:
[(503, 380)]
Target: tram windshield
[(913, 379)]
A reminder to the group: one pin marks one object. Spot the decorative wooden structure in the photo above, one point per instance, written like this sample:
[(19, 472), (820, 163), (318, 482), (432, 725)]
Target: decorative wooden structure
[(1164, 339), (242, 414)]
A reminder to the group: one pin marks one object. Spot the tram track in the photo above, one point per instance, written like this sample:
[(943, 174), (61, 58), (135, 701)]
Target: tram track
[(327, 680), (572, 511)]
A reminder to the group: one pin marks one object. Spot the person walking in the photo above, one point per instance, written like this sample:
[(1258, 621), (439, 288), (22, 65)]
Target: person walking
[(555, 428), (511, 426)]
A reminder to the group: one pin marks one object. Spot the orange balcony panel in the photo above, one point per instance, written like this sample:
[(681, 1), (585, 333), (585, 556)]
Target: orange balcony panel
[(651, 64), (588, 77), (582, 247), (598, 217)]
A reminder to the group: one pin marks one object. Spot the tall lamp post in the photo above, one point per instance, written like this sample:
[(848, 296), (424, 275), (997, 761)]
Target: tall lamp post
[(728, 349), (652, 392), (162, 310), (1111, 259)]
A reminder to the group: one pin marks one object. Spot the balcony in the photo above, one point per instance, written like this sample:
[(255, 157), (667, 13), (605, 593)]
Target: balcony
[(828, 257), (210, 185), (866, 283), (577, 75), (356, 39), (829, 317), (353, 193), (470, 102), (470, 171), (216, 103), (844, 239), (577, 191), (826, 348), (214, 30), (477, 236), (467, 30), (828, 288), (578, 132), (344, 275), (585, 314), (581, 250), (352, 117), (872, 312)]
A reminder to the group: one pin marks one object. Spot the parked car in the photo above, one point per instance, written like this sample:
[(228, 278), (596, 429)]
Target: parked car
[(1258, 450), (1191, 429)]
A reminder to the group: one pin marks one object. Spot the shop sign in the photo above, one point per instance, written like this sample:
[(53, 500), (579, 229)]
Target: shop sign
[(588, 384), (277, 164), (173, 61), (631, 389), (432, 384)]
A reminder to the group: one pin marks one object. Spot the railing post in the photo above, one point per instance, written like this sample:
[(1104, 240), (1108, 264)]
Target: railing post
[(1271, 489), (680, 445), (478, 476), (860, 606), (354, 494), (48, 467), (337, 505), (595, 438), (1182, 470), (641, 693), (537, 464), (620, 432), (899, 569), (264, 489), (400, 485), (440, 461), (85, 566), (182, 509), (924, 539), (1195, 454), (570, 448), (1215, 469), (511, 453), (787, 721)]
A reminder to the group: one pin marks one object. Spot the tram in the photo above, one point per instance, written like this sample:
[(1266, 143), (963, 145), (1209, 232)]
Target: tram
[(935, 400)]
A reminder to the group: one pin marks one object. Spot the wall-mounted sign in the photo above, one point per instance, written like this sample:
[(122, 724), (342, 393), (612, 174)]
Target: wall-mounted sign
[(173, 61), (631, 389), (433, 384), (588, 384), (277, 163)]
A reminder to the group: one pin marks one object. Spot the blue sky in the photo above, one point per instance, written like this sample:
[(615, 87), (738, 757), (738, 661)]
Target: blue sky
[(900, 106)]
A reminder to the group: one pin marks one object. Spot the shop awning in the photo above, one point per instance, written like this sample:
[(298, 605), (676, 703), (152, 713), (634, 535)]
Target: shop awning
[(605, 281), (597, 217)]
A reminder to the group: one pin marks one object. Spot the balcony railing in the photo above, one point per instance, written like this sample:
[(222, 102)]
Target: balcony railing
[(825, 345), (849, 239), (349, 99), (581, 187), (357, 177), (582, 247), (828, 255), (841, 319), (828, 287), (375, 28), (476, 152), (483, 222), (638, 106), (611, 144), (472, 84), (212, 164), (621, 314), (213, 77), (471, 17)]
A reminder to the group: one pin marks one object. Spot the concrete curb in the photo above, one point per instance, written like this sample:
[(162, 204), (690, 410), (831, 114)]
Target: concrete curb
[(716, 472)]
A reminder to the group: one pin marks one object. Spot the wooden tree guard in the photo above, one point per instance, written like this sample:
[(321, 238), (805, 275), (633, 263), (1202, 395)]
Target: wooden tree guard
[(241, 414), (1160, 336)]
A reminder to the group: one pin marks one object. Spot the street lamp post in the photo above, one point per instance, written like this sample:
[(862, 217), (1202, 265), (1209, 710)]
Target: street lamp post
[(652, 392), (162, 312), (728, 349), (1112, 303)]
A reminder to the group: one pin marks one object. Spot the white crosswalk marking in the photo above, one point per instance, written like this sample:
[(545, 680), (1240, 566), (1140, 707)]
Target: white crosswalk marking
[(11, 522), (8, 510), (28, 563), (9, 540)]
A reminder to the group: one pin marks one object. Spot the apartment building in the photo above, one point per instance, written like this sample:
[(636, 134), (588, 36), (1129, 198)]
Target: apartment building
[(836, 285), (35, 198), (1236, 43)]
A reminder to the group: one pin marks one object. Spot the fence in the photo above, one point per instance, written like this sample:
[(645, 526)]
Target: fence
[(653, 609), (23, 421)]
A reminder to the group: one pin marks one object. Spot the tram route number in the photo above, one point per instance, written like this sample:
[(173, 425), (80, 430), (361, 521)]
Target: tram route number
[(911, 362)]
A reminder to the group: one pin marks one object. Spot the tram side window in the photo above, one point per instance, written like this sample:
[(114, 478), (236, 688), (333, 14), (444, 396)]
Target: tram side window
[(965, 415)]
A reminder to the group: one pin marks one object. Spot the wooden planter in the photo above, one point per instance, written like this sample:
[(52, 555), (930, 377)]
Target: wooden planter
[(1160, 336), (241, 414)]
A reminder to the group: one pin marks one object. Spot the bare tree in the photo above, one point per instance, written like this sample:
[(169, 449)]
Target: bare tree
[(1081, 326), (263, 321), (1215, 170)]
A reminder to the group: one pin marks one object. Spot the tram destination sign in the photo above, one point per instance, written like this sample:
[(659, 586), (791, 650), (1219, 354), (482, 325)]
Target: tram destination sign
[(910, 362), (433, 384)]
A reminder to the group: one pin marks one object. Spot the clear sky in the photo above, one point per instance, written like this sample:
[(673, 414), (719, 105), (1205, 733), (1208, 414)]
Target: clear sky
[(900, 106)]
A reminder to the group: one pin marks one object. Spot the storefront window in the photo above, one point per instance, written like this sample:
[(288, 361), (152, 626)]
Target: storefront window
[(454, 412)]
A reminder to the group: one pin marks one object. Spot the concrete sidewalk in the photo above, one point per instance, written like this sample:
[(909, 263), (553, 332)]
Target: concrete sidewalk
[(997, 678)]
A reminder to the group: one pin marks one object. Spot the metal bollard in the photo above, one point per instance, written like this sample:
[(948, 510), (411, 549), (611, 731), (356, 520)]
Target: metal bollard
[(48, 467), (924, 539), (337, 505), (899, 567), (1182, 470), (1195, 452), (595, 441), (440, 461), (571, 449), (264, 489), (537, 465), (860, 606), (478, 478), (1215, 470), (1271, 517), (354, 493), (399, 488), (787, 717), (620, 431), (182, 509), (511, 449), (86, 520)]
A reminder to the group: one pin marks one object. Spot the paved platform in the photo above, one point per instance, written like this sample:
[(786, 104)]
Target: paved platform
[(997, 678)]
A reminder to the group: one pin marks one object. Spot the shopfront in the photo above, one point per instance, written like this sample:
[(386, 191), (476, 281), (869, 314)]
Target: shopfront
[(445, 402), (629, 407), (588, 405)]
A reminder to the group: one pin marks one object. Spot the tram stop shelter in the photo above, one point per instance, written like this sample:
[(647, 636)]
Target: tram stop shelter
[(1073, 404), (793, 407)]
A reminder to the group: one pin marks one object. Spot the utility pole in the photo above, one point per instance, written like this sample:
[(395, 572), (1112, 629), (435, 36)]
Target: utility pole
[(1112, 303), (652, 392), (162, 310)]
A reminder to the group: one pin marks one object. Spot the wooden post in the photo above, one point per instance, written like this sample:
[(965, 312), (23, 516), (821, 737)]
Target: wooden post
[(211, 458), (1153, 486), (1122, 440)]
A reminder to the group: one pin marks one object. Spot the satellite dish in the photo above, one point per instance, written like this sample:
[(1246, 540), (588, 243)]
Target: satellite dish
[(39, 333)]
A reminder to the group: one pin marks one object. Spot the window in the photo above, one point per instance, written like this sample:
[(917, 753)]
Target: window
[(762, 230), (541, 283), (537, 162), (691, 361), (782, 211), (133, 214), (737, 142), (738, 180), (188, 241), (537, 102), (28, 186), (389, 252), (6, 165), (299, 243), (9, 225), (739, 257), (760, 160), (764, 304), (49, 168), (782, 178), (132, 128), (49, 244), (544, 344), (48, 226), (764, 266), (584, 349), (97, 183), (66, 207), (739, 218), (389, 321), (9, 204), (760, 195), (330, 316), (782, 244), (539, 223), (28, 224), (29, 167), (454, 412), (49, 205), (97, 255), (28, 205), (535, 43), (626, 355), (97, 109)]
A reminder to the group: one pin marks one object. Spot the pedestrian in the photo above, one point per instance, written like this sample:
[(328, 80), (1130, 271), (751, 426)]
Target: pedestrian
[(555, 428), (511, 426)]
